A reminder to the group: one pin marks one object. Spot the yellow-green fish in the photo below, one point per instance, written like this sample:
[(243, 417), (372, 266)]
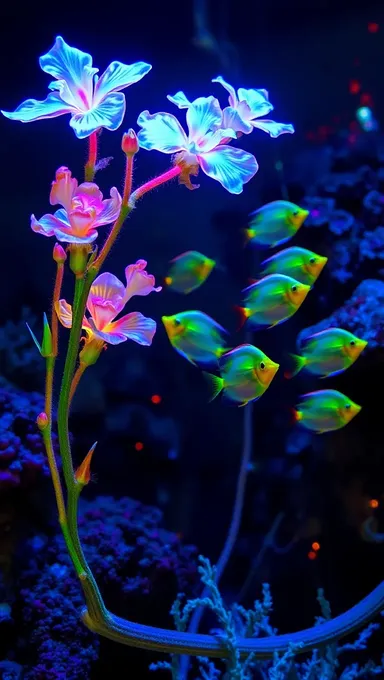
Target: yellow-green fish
[(245, 374), (272, 300), (188, 271), (327, 353), (196, 336), (325, 410), (300, 263), (275, 223)]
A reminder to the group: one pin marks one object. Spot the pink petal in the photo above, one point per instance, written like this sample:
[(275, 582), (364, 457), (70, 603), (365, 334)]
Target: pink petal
[(103, 312), (63, 188), (106, 288), (82, 222), (89, 194), (132, 326), (64, 313), (110, 209), (139, 282)]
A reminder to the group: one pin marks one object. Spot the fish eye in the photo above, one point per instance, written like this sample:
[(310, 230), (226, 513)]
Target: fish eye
[(177, 322), (348, 406), (262, 365), (312, 260), (352, 343), (294, 289), (295, 214)]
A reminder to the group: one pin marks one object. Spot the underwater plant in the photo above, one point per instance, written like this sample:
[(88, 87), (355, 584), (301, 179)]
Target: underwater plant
[(95, 103)]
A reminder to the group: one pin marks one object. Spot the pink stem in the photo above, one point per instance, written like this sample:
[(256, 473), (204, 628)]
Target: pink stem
[(155, 182), (92, 158)]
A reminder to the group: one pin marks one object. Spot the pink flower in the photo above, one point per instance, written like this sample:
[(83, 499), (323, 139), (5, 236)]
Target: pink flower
[(83, 210), (107, 298)]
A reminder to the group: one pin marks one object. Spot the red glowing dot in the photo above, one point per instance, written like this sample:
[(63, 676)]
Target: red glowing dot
[(312, 555), (373, 27), (155, 398), (139, 446), (373, 503), (354, 86), (315, 546), (366, 99)]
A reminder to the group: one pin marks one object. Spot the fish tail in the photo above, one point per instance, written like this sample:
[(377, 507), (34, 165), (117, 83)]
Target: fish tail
[(248, 235), (296, 415), (215, 382), (296, 364), (243, 313)]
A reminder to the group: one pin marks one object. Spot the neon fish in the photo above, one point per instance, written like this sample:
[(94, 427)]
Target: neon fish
[(188, 271), (196, 336), (327, 353), (325, 411), (246, 373), (272, 300), (300, 263), (275, 223)]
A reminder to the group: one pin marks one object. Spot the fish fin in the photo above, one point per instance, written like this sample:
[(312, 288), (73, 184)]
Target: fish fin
[(243, 313), (296, 415), (330, 375), (251, 282), (248, 235), (297, 363), (215, 382), (222, 350), (185, 356)]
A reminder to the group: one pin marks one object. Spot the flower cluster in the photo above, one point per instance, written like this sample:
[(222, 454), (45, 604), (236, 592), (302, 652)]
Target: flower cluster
[(97, 102)]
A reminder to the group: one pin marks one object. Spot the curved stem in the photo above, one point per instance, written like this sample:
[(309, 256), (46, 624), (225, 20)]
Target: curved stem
[(153, 183), (169, 641)]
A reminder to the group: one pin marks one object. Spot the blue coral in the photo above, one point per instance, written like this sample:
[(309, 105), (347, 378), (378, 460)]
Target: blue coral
[(22, 456)]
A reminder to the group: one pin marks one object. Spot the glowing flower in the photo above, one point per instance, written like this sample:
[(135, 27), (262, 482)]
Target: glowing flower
[(93, 102), (83, 211), (244, 107), (107, 298), (204, 146)]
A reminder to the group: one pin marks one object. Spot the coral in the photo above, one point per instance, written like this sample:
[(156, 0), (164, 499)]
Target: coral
[(19, 360), (22, 455), (322, 664), (362, 314), (138, 563)]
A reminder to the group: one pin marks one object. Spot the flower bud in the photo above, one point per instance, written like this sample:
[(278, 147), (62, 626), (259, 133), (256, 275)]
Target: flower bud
[(83, 472), (42, 421), (130, 143), (59, 254)]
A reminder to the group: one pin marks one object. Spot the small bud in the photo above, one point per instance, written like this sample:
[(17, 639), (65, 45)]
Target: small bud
[(46, 345), (83, 472), (42, 421), (59, 254), (79, 258), (130, 143), (91, 352)]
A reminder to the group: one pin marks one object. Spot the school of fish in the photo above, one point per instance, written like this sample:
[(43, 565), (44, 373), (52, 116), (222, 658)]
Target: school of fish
[(286, 278)]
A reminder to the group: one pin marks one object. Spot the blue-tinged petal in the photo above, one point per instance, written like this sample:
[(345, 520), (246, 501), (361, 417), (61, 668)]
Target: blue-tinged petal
[(232, 94), (161, 131), (203, 115), (233, 119), (212, 140), (32, 109), (273, 129), (180, 100), (108, 114), (48, 224), (230, 166), (74, 67), (119, 76), (65, 237), (257, 101)]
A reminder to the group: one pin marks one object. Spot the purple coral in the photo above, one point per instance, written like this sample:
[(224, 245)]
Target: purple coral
[(140, 568), (362, 314), (22, 455)]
